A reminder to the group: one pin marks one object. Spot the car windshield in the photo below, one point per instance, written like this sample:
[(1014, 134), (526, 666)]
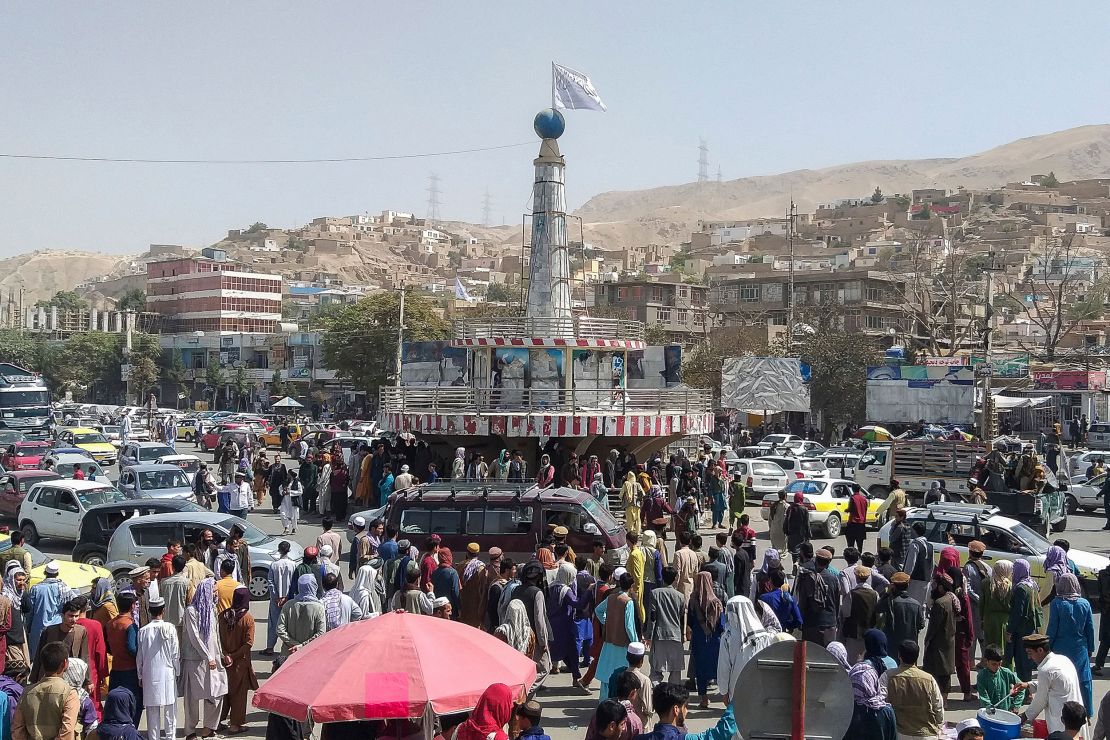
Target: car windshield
[(812, 465), (31, 448), (1034, 540), (7, 436), (600, 515), (111, 430), (65, 469), (189, 466), (252, 535), (767, 469), (96, 496), (89, 438), (153, 480), (154, 452), (806, 486), (775, 439)]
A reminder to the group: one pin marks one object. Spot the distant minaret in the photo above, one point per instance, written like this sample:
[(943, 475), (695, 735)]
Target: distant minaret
[(487, 208), (703, 160), (431, 215), (549, 273)]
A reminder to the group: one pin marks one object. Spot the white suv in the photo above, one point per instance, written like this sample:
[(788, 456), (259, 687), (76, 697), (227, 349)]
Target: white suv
[(799, 467)]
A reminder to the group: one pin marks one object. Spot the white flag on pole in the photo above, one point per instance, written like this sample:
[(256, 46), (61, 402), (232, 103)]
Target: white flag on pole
[(573, 90), (460, 290)]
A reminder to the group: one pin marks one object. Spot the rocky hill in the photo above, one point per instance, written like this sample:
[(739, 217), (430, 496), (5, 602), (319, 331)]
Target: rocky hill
[(43, 273)]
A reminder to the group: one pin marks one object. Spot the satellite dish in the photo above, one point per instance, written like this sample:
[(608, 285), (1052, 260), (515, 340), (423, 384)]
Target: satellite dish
[(793, 682)]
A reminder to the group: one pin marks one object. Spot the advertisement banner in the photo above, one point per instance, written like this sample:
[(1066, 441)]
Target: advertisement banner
[(1006, 364), (766, 384), (945, 361), (939, 394), (1069, 380)]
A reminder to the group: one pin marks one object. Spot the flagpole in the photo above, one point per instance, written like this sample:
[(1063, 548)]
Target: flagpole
[(553, 86)]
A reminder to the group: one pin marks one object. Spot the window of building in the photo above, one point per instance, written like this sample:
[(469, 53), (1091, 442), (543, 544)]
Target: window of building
[(772, 292), (749, 292), (873, 293), (852, 291), (682, 316), (663, 314)]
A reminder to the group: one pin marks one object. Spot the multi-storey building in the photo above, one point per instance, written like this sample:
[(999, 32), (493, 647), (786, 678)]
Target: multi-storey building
[(196, 294), (680, 309)]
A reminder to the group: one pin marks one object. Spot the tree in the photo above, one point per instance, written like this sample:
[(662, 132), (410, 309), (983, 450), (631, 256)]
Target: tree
[(277, 387), (877, 196), (144, 374), (215, 380), (924, 214), (241, 385), (838, 355), (133, 300), (65, 300), (173, 373), (360, 340), (701, 366), (502, 293), (256, 227), (656, 334), (19, 348), (1050, 181), (1057, 293)]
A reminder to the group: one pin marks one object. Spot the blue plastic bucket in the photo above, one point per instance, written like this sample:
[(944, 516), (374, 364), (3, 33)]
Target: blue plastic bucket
[(999, 724)]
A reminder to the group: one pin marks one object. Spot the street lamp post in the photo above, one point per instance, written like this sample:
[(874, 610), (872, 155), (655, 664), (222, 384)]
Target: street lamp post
[(985, 424)]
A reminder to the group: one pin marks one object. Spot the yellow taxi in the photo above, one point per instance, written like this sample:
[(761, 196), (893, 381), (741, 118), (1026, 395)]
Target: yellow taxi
[(273, 439), (91, 441), (827, 502), (77, 576)]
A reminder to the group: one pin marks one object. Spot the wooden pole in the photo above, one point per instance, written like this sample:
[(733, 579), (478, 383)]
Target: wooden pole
[(798, 711)]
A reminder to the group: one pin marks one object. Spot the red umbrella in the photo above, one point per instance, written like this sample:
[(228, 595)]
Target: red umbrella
[(397, 666)]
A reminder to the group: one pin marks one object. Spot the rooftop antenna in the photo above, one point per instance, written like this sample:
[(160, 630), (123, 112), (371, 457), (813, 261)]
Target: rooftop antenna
[(432, 214), (487, 208), (703, 160)]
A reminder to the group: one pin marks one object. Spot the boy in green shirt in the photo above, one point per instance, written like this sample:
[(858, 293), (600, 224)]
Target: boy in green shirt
[(995, 683)]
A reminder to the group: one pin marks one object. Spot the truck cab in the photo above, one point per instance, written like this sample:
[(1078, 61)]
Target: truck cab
[(25, 403)]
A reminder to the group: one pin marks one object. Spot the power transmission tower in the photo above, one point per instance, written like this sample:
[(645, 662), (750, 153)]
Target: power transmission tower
[(487, 208), (718, 173), (432, 214), (703, 160)]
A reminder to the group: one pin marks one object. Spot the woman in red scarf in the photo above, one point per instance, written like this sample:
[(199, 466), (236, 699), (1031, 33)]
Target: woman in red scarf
[(949, 565), (488, 720)]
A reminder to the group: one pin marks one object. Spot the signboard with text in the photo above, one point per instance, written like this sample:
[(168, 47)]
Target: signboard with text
[(1069, 380), (1006, 364), (946, 361)]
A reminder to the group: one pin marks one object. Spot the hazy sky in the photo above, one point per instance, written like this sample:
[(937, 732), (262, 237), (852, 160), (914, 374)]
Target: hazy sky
[(772, 86)]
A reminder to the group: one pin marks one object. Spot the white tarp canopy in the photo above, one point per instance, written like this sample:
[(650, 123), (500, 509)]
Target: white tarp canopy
[(287, 403), (765, 384), (1009, 403)]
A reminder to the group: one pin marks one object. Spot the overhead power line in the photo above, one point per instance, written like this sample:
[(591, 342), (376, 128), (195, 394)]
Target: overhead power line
[(320, 160)]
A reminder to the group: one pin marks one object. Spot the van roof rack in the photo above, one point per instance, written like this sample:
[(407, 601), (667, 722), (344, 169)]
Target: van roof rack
[(964, 509)]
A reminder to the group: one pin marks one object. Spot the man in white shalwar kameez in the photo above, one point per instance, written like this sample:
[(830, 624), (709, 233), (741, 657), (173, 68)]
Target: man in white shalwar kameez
[(158, 661), (339, 608), (203, 676), (1057, 683)]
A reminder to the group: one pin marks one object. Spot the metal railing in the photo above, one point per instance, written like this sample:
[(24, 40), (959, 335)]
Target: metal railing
[(569, 401), (580, 327)]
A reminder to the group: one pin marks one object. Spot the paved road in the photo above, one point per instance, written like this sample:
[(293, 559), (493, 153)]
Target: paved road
[(567, 711)]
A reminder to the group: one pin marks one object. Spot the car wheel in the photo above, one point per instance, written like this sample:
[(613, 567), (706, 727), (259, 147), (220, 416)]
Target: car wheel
[(94, 557), (1073, 504), (259, 586), (123, 580), (1061, 525), (30, 533), (832, 526)]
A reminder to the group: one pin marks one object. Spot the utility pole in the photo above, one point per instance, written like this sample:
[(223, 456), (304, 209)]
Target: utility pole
[(432, 214), (400, 338), (986, 414), (718, 174), (703, 160), (487, 208), (791, 214)]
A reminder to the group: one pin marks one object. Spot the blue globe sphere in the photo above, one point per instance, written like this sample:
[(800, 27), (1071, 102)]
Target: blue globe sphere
[(549, 124)]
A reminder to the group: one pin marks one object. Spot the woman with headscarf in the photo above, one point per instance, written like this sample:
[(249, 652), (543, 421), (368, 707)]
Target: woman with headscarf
[(875, 651), (840, 654), (490, 715), (515, 631), (656, 513), (796, 525), (994, 604), (1071, 632), (1025, 618), (631, 498), (562, 603), (458, 465), (445, 581), (323, 483), (17, 663), (368, 590), (119, 712), (102, 601), (302, 619), (705, 625), (743, 637), (545, 473), (236, 627), (77, 676), (762, 584), (203, 674), (965, 627), (599, 491), (1055, 565), (718, 485), (337, 487), (872, 717)]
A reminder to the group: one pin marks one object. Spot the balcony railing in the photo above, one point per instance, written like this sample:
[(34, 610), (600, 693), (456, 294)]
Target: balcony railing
[(580, 327), (567, 401)]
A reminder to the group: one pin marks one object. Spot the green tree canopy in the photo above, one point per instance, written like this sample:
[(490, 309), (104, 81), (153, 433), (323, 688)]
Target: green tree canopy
[(65, 300), (360, 340), (256, 227), (133, 300), (877, 196)]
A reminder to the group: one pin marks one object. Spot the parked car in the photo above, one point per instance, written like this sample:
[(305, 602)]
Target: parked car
[(1098, 436), (211, 438), (14, 486), (322, 437), (241, 436), (91, 441), (24, 455), (101, 521), (64, 463), (512, 517), (956, 525), (136, 453), (78, 576), (144, 537), (152, 480), (760, 476), (10, 437), (1076, 466), (841, 463), (187, 430), (349, 444), (773, 441), (804, 447), (799, 467), (190, 464), (112, 433), (54, 508), (827, 502), (1086, 496), (273, 439)]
